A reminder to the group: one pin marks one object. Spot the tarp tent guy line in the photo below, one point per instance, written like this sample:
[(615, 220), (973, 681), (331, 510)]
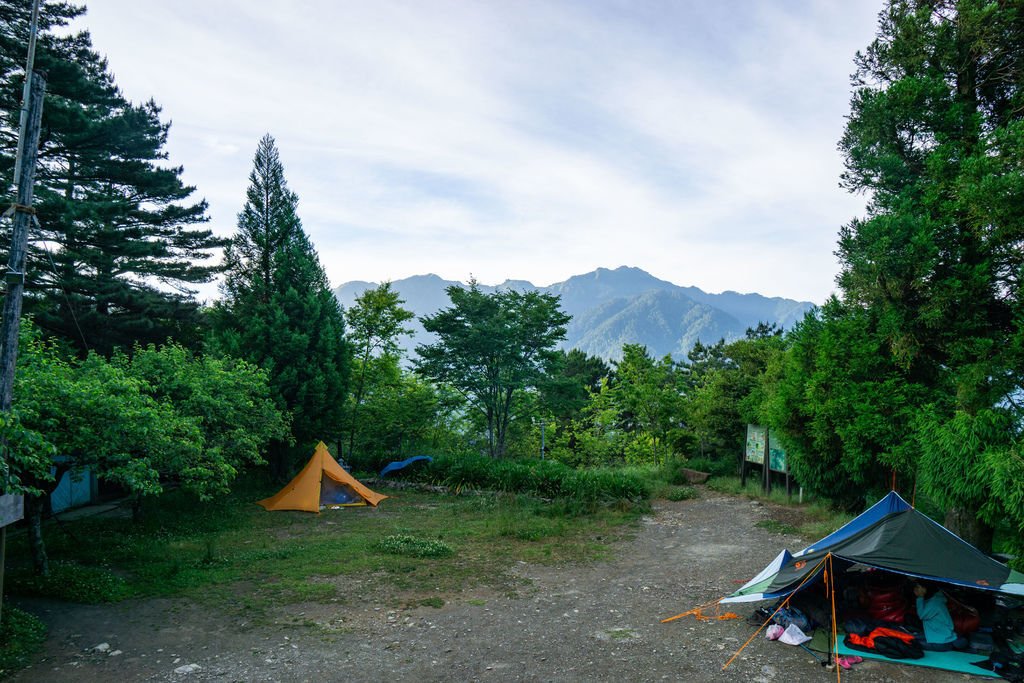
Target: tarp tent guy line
[(698, 613), (767, 621)]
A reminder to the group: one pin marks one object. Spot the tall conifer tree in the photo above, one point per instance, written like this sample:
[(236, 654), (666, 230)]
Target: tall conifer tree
[(279, 311), (116, 253)]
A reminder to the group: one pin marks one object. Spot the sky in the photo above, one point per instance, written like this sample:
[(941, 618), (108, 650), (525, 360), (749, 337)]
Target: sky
[(517, 139)]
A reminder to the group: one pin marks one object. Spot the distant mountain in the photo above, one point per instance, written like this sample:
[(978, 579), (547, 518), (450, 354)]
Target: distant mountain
[(665, 322), (615, 307)]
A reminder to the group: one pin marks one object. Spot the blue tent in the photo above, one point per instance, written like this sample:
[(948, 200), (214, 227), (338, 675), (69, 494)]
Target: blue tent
[(395, 466)]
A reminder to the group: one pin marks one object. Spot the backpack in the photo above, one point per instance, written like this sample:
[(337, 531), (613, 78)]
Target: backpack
[(791, 615), (966, 619), (885, 603), (1009, 666)]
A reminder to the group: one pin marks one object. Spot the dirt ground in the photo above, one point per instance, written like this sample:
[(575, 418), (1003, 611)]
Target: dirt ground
[(597, 622)]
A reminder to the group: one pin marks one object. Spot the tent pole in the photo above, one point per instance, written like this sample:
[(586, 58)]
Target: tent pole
[(833, 656)]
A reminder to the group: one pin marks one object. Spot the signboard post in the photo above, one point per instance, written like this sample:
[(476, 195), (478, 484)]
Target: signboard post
[(777, 461), (764, 450), (754, 450)]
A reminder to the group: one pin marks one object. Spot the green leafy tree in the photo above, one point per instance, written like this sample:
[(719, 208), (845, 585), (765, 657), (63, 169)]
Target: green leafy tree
[(279, 312), (160, 416), (376, 322), (117, 251), (701, 360), (574, 377), (935, 138), (490, 348), (402, 415), (92, 414), (229, 399), (844, 407), (561, 403), (595, 437), (648, 395), (727, 390), (635, 415)]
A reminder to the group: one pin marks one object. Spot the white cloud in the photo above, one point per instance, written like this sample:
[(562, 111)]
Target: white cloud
[(529, 140)]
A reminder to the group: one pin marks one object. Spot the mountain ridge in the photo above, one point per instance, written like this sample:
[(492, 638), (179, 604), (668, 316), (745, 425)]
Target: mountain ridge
[(612, 307)]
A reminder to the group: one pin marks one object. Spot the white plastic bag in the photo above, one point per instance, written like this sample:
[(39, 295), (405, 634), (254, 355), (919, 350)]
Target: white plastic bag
[(793, 636)]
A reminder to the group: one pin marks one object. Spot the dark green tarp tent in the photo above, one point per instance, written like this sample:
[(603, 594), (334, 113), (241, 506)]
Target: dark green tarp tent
[(893, 536)]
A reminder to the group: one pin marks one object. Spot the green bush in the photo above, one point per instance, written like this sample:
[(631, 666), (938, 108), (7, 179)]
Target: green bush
[(716, 467), (21, 634), (410, 546), (71, 582), (544, 478)]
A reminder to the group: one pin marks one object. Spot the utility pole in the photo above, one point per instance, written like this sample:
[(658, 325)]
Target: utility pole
[(31, 118)]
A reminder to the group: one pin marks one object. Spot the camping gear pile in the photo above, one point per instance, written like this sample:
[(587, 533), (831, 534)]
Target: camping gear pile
[(856, 585)]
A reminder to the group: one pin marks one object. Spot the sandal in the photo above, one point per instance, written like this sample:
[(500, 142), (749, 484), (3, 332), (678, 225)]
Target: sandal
[(847, 661)]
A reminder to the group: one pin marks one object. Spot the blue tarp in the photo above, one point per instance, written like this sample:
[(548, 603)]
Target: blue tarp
[(395, 466)]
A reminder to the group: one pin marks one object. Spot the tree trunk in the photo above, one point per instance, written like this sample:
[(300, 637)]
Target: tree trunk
[(137, 508), (34, 508), (965, 524), (358, 400), (277, 459)]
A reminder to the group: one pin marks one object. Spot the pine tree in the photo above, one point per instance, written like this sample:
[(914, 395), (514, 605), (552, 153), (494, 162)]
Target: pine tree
[(279, 312), (116, 253)]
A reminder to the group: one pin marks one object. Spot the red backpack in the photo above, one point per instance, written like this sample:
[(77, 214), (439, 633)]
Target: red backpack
[(885, 603)]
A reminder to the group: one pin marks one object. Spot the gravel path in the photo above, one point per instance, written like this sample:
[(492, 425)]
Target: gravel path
[(597, 622)]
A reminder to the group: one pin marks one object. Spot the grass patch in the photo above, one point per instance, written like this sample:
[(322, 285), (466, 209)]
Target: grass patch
[(777, 527), (818, 519), (622, 634), (409, 546), (753, 490), (681, 493), (233, 555), (436, 603), (675, 492), (529, 520), (823, 521), (72, 582), (732, 485), (21, 636), (716, 468)]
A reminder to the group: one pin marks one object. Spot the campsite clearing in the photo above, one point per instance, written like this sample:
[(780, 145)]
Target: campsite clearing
[(597, 621)]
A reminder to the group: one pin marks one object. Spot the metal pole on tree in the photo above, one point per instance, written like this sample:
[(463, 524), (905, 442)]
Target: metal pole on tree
[(30, 122)]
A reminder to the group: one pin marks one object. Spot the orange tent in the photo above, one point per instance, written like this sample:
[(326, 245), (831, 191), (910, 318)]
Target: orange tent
[(322, 482)]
